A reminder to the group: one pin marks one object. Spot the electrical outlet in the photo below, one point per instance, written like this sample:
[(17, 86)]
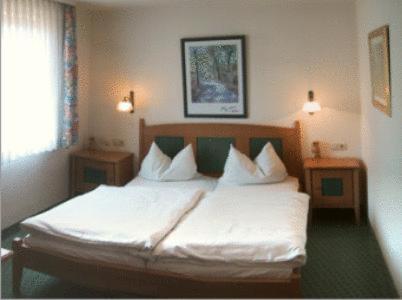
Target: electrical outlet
[(118, 143), (339, 147)]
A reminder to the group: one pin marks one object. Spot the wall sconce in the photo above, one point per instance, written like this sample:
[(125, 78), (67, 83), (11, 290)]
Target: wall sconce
[(127, 104), (311, 106)]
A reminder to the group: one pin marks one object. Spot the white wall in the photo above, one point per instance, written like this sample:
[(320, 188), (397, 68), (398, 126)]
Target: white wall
[(34, 183), (381, 135), (292, 46)]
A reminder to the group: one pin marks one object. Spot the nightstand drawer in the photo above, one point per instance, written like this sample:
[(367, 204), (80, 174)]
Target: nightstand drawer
[(332, 188), (91, 174)]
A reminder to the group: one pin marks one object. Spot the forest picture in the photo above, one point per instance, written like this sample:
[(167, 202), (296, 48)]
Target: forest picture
[(214, 74), (214, 79)]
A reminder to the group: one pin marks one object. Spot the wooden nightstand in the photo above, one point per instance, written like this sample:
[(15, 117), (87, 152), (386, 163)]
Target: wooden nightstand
[(90, 168), (333, 183)]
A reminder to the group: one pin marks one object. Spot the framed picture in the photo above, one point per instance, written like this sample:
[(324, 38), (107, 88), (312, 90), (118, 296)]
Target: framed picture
[(379, 69), (214, 77)]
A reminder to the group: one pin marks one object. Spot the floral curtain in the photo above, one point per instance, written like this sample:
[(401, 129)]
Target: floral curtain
[(69, 134)]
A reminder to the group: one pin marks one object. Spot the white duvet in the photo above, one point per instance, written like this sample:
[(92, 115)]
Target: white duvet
[(138, 217), (242, 224)]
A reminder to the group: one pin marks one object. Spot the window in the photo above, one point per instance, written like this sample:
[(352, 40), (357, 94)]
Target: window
[(33, 72)]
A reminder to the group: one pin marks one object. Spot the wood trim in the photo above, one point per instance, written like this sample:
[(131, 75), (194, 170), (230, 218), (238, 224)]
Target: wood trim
[(142, 142), (124, 172), (384, 32), (102, 156), (298, 153), (73, 183), (291, 138), (18, 264), (147, 282), (356, 195), (308, 188), (331, 163)]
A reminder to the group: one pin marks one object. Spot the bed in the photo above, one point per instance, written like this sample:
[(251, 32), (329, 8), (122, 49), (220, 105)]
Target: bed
[(168, 273)]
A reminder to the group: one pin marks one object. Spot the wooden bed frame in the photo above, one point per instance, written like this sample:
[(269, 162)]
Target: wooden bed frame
[(107, 276)]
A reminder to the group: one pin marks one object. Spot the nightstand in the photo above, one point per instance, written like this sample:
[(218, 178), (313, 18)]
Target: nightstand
[(90, 168), (333, 183)]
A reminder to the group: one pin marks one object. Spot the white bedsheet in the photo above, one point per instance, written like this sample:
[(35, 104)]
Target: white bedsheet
[(205, 183), (134, 217), (245, 224)]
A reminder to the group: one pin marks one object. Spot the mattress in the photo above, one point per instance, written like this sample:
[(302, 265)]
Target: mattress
[(241, 231)]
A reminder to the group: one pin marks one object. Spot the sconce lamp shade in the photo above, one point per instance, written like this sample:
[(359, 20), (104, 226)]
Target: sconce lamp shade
[(124, 105), (311, 106), (127, 104)]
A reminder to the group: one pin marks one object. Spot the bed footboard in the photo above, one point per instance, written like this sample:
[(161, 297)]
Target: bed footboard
[(145, 282), (17, 265)]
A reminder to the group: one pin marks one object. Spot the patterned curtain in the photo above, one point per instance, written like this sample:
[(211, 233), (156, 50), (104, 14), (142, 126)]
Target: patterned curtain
[(69, 134)]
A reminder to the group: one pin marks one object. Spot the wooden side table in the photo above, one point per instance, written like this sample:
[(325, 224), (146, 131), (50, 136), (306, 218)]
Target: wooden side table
[(90, 168), (333, 183)]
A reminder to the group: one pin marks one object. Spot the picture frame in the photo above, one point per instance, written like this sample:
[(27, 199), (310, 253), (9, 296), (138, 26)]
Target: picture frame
[(214, 77), (378, 41)]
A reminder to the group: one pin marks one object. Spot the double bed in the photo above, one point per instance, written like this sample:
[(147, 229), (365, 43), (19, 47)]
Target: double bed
[(204, 240)]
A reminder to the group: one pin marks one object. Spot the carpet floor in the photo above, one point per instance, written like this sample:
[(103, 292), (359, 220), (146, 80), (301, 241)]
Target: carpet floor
[(343, 261)]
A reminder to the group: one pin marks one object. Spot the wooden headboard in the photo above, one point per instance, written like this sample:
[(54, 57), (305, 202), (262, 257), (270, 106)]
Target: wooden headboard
[(211, 142)]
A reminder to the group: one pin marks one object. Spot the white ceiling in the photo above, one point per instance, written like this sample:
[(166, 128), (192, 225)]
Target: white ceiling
[(150, 3), (131, 3)]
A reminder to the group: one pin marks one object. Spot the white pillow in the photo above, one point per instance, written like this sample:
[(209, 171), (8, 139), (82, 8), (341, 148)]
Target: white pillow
[(266, 168), (159, 167), (271, 164)]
